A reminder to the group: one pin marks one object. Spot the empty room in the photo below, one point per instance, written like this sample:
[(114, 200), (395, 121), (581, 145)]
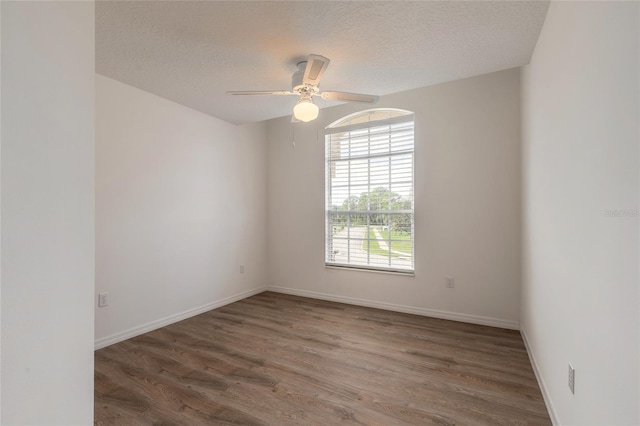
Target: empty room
[(320, 212)]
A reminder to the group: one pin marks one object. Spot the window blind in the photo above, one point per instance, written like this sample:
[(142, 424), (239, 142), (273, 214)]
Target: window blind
[(369, 191)]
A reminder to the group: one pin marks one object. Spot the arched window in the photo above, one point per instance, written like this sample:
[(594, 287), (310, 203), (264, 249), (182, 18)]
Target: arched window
[(369, 191)]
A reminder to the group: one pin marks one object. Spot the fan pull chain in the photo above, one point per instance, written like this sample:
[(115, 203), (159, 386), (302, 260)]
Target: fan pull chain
[(293, 135)]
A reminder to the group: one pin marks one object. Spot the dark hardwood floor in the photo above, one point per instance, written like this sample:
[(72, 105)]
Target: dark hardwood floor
[(274, 359)]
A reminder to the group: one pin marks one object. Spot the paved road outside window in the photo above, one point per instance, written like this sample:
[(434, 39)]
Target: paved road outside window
[(348, 244)]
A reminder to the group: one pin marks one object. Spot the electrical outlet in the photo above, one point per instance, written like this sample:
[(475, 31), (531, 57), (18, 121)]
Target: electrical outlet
[(103, 300), (450, 282), (242, 269), (572, 379)]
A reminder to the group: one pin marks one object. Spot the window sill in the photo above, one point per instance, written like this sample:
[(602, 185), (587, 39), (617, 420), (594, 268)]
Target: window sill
[(377, 271)]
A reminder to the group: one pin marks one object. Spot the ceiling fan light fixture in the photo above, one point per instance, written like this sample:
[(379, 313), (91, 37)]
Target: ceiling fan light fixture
[(305, 110)]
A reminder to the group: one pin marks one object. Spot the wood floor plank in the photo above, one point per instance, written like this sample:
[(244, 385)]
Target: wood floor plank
[(275, 359)]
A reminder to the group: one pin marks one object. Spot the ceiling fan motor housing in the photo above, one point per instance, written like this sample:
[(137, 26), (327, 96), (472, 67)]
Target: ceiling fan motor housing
[(297, 85)]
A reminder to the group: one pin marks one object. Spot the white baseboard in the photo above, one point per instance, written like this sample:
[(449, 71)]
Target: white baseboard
[(454, 316), (543, 387), (162, 322)]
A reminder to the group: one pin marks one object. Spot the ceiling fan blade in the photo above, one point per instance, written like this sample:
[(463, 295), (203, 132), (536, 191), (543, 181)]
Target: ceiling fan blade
[(316, 65), (261, 92), (349, 97)]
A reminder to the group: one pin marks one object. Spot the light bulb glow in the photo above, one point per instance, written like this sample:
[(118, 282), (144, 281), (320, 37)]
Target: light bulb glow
[(305, 110)]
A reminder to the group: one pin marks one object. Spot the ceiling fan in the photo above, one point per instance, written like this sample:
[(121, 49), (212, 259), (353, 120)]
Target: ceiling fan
[(304, 83)]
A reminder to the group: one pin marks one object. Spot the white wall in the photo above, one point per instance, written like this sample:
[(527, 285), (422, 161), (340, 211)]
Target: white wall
[(0, 214), (180, 205), (47, 212), (467, 185), (580, 301)]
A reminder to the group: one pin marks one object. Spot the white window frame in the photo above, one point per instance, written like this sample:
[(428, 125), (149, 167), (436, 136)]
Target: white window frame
[(402, 120)]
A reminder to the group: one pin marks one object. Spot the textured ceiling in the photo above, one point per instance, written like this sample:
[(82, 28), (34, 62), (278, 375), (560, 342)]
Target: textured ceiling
[(192, 52)]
